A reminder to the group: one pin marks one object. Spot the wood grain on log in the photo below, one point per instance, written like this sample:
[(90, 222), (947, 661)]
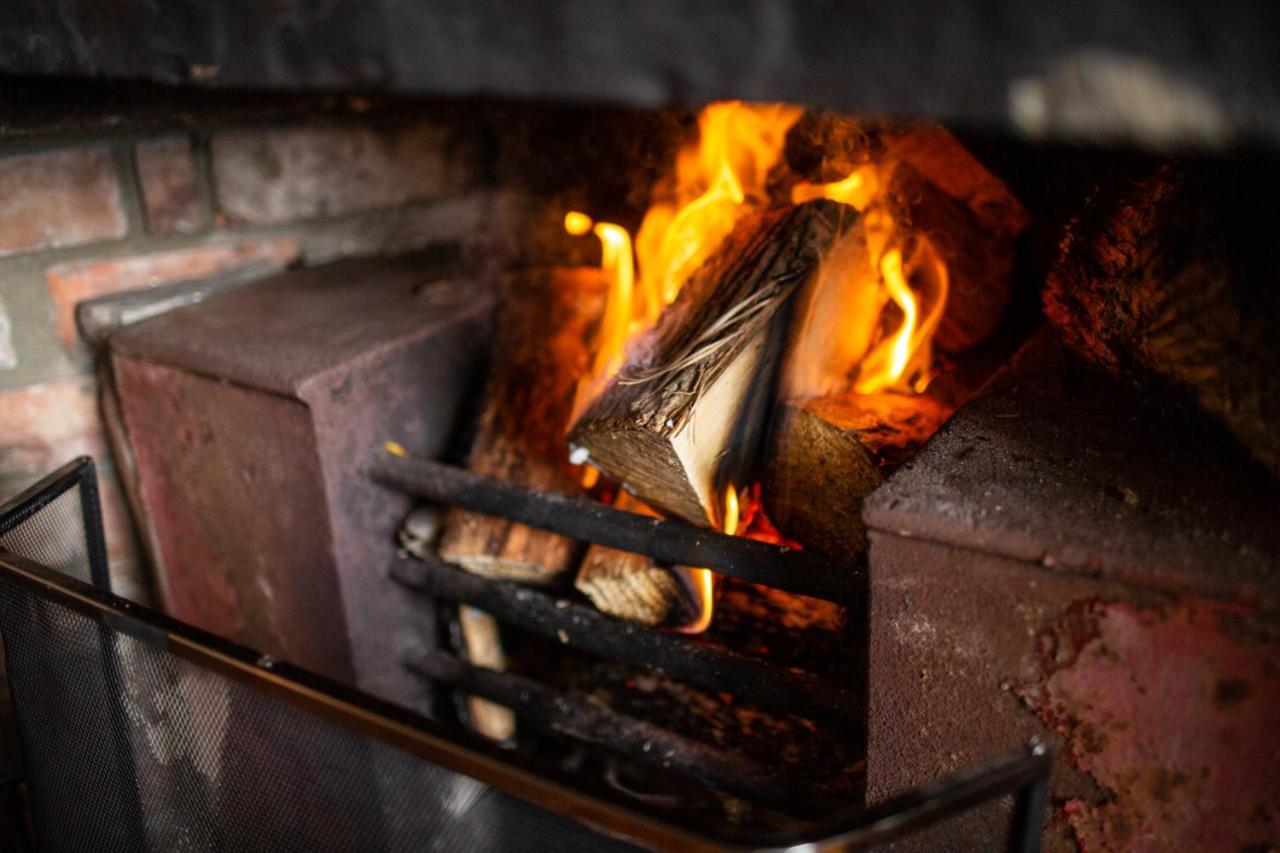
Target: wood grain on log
[(683, 418), (827, 454), (632, 586), (1170, 274)]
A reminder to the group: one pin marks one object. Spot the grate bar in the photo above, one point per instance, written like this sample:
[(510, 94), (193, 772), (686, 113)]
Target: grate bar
[(672, 542), (774, 687), (590, 723)]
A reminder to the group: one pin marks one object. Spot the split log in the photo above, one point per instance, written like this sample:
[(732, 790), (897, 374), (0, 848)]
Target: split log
[(540, 351), (1170, 275), (682, 420), (632, 586), (829, 453), (935, 185)]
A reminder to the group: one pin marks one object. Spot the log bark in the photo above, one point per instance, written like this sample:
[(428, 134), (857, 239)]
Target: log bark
[(938, 187), (829, 453), (632, 586), (683, 418), (1170, 276), (540, 351)]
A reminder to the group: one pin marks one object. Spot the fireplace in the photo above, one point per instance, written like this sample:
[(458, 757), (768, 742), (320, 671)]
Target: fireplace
[(682, 440)]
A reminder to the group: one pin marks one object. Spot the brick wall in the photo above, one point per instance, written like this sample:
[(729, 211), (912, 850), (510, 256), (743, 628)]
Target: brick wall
[(113, 208)]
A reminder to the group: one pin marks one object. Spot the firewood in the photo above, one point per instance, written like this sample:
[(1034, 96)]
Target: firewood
[(633, 586), (827, 454), (540, 351), (937, 187), (1169, 275), (682, 420)]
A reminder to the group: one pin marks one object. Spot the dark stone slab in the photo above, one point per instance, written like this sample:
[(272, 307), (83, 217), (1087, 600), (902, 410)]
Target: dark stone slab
[(252, 417), (1061, 466)]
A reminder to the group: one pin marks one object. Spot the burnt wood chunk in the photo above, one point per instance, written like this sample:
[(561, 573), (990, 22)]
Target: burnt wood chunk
[(633, 586), (1169, 275), (683, 418), (829, 453), (540, 353)]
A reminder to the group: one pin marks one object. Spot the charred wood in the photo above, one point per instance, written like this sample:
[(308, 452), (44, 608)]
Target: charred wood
[(780, 687), (829, 453), (938, 188), (592, 723), (1170, 275)]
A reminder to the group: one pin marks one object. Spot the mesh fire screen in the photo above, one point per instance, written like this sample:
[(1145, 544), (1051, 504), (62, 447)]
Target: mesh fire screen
[(131, 747), (58, 523)]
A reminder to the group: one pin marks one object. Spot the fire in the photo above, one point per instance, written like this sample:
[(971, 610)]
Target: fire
[(876, 300), (718, 178), (702, 580), (857, 281)]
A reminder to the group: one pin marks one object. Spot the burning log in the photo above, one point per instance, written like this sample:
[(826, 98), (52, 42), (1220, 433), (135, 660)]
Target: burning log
[(682, 419), (828, 453), (1169, 276), (540, 353), (941, 191), (633, 586)]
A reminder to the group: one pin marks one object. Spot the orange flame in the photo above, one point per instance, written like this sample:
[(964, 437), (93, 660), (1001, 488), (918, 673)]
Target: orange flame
[(703, 580), (856, 282), (718, 177)]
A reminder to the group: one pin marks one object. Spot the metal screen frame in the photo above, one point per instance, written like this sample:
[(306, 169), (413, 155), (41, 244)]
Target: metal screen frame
[(1023, 774), (79, 473)]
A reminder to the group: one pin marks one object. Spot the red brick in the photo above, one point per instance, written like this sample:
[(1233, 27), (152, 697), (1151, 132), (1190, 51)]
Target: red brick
[(59, 198), (44, 425), (270, 176), (73, 282), (170, 195)]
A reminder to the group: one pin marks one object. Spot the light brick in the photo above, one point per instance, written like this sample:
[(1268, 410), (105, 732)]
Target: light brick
[(73, 282), (59, 198), (8, 352), (170, 192), (266, 177), (44, 425)]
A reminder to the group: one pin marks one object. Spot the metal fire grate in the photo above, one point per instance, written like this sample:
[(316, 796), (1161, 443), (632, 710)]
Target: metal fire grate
[(142, 733), (716, 668)]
